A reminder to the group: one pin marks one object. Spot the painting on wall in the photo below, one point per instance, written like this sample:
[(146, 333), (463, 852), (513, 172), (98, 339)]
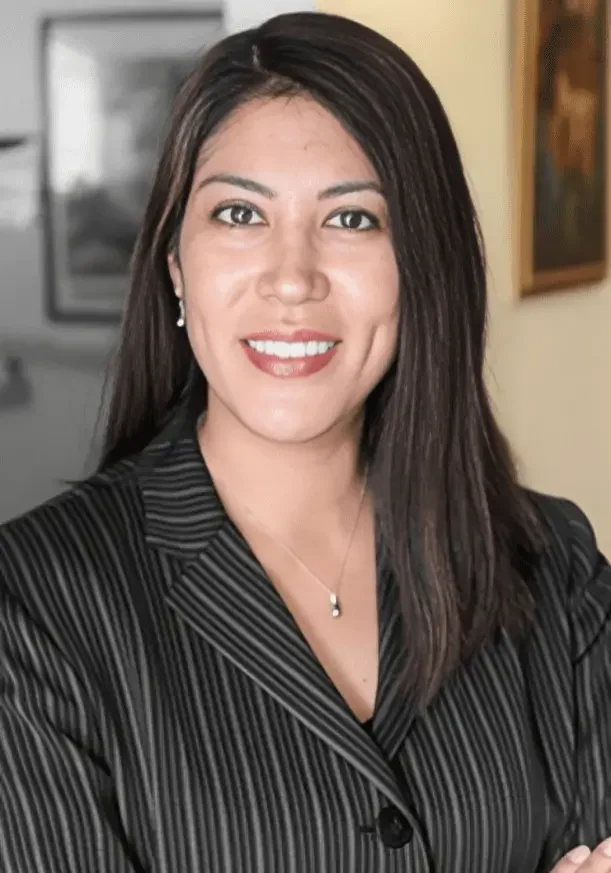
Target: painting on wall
[(562, 137), (19, 181), (109, 82)]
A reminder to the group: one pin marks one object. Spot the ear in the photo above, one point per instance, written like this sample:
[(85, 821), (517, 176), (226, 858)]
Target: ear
[(175, 272)]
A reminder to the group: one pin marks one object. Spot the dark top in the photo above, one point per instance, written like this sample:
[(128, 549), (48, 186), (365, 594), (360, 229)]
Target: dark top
[(160, 710)]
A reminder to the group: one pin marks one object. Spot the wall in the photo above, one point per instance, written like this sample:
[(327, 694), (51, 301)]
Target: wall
[(48, 441), (20, 256), (549, 358)]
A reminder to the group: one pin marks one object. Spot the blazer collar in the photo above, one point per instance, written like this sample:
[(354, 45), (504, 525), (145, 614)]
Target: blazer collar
[(183, 512), (221, 591)]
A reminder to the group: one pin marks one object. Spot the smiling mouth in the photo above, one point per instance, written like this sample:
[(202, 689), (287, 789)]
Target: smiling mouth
[(291, 350), (300, 354)]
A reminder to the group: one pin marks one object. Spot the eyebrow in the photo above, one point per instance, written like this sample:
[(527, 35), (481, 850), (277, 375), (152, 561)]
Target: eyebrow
[(350, 187), (239, 182)]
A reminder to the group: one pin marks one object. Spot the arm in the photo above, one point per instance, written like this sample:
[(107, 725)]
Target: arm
[(58, 813), (590, 615)]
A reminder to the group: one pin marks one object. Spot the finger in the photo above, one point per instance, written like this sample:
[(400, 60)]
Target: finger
[(582, 860), (571, 863), (599, 861)]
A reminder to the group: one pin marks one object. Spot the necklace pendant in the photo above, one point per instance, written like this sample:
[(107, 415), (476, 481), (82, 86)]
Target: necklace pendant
[(336, 609)]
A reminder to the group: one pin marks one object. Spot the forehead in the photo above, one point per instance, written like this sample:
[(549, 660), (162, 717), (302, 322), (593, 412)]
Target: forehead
[(273, 135)]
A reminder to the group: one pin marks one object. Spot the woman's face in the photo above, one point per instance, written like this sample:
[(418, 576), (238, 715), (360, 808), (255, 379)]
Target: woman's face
[(287, 271)]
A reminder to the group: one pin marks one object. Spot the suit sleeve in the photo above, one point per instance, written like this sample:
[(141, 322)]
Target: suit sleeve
[(590, 615), (58, 813)]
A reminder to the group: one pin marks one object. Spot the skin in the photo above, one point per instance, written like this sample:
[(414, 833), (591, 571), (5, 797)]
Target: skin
[(292, 265), (598, 861)]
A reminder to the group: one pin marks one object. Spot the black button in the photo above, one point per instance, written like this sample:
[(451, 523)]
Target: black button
[(394, 829)]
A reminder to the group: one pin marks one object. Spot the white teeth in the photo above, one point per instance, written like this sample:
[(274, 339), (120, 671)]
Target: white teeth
[(290, 350)]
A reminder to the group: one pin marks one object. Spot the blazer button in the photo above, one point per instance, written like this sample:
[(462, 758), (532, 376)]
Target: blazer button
[(394, 829)]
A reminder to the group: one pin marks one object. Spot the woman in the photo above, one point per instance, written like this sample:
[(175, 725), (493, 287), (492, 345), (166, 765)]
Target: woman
[(303, 618)]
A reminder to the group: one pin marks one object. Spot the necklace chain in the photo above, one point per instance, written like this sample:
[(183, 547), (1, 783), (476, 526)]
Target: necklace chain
[(333, 593)]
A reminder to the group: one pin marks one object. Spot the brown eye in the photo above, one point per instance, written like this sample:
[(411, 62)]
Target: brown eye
[(354, 219), (238, 214)]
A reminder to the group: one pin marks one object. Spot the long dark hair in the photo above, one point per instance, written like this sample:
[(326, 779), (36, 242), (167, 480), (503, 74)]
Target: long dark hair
[(461, 532)]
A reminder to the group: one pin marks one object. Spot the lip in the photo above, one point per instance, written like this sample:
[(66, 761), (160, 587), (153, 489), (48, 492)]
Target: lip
[(290, 368), (297, 336)]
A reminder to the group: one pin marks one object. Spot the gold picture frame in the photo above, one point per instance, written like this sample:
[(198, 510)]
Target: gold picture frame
[(561, 129)]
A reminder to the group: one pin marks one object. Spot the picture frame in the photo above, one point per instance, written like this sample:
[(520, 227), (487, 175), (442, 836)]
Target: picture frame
[(108, 84), (561, 125)]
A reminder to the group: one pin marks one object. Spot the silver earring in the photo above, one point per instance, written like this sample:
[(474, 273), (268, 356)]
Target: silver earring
[(181, 312)]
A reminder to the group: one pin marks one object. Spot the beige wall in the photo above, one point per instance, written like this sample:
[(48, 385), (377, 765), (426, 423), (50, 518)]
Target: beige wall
[(549, 358)]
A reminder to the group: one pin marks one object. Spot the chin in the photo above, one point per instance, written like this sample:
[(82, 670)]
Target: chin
[(287, 429)]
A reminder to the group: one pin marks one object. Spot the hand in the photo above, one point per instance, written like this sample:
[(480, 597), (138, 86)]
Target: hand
[(582, 860)]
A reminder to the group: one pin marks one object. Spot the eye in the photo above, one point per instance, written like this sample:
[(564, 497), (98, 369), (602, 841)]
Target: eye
[(237, 215), (354, 219)]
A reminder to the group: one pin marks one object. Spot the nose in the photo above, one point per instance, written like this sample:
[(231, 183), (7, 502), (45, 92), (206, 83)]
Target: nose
[(293, 275)]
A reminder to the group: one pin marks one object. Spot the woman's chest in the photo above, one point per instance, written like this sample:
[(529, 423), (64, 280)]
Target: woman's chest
[(234, 777)]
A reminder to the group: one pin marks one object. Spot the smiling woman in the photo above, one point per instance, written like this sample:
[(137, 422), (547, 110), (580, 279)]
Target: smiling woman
[(269, 260), (304, 617)]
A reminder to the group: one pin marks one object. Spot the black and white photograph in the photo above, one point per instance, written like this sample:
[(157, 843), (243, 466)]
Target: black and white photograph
[(108, 86)]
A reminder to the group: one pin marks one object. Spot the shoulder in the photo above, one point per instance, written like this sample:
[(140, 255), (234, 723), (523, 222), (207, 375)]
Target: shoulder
[(569, 536), (55, 551), (573, 576)]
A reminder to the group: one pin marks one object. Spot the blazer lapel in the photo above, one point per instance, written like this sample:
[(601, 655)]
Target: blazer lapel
[(224, 595)]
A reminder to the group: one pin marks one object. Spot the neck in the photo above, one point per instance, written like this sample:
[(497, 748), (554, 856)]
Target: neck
[(284, 485)]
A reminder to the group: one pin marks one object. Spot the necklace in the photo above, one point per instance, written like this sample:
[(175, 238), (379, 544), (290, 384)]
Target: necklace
[(333, 593)]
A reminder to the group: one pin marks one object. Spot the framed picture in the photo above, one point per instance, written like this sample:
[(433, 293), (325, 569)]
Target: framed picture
[(109, 81), (562, 138)]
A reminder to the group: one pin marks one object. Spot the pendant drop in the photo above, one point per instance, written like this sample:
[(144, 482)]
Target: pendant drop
[(336, 609)]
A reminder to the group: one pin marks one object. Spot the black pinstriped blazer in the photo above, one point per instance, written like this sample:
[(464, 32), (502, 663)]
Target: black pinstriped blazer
[(160, 711)]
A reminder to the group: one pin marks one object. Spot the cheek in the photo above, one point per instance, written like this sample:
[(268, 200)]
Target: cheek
[(374, 299), (388, 296), (384, 346), (384, 319), (202, 256), (371, 278), (208, 338), (212, 284)]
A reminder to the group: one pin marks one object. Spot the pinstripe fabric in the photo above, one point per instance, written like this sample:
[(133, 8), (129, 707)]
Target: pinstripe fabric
[(160, 710)]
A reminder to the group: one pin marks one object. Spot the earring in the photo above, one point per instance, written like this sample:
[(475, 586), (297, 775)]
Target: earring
[(181, 312)]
